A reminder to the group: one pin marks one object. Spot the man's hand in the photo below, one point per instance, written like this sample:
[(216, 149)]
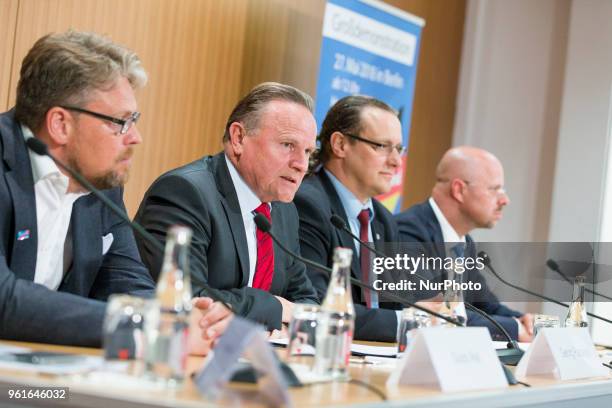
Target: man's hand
[(526, 321), (208, 321), (287, 309)]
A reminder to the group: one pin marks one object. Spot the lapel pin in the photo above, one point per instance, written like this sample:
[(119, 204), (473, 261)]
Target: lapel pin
[(378, 237), (23, 235)]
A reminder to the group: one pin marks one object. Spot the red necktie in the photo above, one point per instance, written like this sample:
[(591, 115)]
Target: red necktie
[(264, 268), (364, 254)]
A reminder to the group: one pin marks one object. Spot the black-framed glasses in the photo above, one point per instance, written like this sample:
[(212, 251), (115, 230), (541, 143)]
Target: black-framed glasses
[(124, 123), (380, 147)]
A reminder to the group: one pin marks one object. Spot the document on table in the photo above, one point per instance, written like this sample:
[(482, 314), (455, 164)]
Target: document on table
[(80, 364), (356, 349)]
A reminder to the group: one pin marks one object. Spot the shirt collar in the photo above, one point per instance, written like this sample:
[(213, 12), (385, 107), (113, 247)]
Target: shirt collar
[(247, 199), (448, 232), (351, 204), (42, 166)]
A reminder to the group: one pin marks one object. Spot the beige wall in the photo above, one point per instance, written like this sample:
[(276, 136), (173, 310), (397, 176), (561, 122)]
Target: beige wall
[(202, 55)]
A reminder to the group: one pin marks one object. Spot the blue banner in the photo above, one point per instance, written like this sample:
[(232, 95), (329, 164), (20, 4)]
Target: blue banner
[(370, 48)]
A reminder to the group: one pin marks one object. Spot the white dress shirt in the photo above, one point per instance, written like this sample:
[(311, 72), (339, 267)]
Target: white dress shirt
[(248, 202), (448, 232), (450, 235), (53, 212)]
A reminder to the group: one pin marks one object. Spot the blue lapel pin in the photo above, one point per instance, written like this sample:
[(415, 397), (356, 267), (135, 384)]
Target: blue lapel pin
[(23, 235)]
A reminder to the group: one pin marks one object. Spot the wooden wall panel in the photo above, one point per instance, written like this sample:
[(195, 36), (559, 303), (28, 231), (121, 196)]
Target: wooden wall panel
[(283, 44), (192, 50), (8, 19), (202, 55)]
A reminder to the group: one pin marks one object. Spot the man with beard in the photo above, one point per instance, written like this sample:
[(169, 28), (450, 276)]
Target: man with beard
[(268, 139), (62, 252), (468, 194)]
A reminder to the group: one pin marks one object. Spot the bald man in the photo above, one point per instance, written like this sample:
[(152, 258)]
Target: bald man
[(468, 194)]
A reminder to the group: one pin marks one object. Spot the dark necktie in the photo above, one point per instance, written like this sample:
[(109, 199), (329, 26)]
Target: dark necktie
[(264, 268)]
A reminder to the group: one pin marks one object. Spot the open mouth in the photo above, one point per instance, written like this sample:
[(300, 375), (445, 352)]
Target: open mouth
[(290, 179)]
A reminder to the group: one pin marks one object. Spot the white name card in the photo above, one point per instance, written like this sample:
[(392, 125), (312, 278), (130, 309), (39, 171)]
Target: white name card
[(566, 353), (454, 359)]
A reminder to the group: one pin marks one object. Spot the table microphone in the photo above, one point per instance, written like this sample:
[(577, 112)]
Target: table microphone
[(510, 355), (555, 267), (487, 261), (264, 225), (39, 147), (339, 223)]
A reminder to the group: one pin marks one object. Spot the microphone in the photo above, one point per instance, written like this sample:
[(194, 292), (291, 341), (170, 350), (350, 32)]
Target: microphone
[(339, 223), (555, 267), (510, 355), (487, 261), (39, 147), (264, 225)]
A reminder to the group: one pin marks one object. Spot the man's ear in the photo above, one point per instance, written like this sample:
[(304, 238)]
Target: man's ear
[(237, 133), (457, 189), (338, 144), (59, 124)]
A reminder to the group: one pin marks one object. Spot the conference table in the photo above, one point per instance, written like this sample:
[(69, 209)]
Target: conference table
[(544, 391)]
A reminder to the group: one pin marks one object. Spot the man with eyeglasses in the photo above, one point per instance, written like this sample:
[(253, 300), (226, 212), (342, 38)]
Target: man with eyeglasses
[(359, 154), (468, 194), (62, 252)]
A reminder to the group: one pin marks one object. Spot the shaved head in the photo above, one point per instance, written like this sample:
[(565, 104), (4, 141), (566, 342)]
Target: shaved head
[(464, 162), (470, 188)]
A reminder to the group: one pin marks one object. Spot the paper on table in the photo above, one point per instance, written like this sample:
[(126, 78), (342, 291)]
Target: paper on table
[(86, 364), (379, 351), (356, 349)]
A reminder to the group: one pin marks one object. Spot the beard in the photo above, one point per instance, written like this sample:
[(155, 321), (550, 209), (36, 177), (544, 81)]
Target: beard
[(106, 180)]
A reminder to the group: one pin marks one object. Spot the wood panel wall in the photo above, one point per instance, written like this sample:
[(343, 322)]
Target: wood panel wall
[(202, 55), (8, 20)]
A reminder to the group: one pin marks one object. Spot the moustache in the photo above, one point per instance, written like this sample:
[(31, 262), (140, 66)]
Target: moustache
[(126, 155)]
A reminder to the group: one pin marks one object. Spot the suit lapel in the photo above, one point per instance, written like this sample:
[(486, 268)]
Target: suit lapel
[(232, 211), (278, 226), (435, 231), (85, 224), (20, 183), (378, 233), (337, 208)]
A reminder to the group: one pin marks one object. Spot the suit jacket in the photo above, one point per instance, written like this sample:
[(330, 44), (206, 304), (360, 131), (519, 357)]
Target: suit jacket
[(419, 224), (316, 201), (201, 195), (74, 314)]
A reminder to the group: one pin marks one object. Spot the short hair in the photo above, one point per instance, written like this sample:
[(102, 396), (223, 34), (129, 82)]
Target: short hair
[(344, 117), (249, 109), (63, 69)]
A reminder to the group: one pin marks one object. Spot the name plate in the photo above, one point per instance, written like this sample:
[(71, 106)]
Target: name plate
[(566, 353), (453, 359), (243, 338)]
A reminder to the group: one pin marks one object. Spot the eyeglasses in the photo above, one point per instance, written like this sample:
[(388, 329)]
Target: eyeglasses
[(124, 123), (380, 147), (495, 190)]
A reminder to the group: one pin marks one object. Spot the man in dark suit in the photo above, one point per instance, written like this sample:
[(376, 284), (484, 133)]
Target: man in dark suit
[(268, 139), (469, 193), (62, 252), (360, 153)]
